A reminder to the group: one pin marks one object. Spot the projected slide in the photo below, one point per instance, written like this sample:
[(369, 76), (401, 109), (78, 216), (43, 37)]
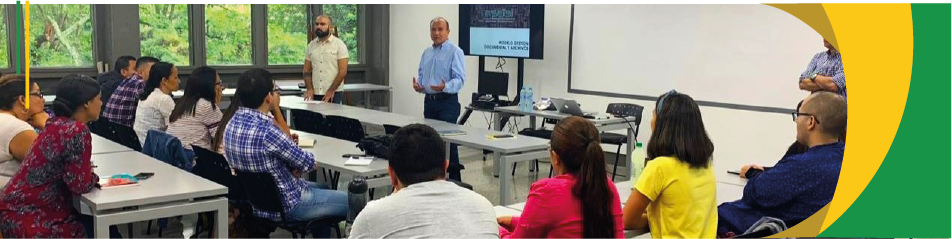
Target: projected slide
[(499, 30)]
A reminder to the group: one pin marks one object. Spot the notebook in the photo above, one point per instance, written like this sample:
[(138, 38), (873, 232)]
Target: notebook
[(359, 161), (452, 132), (306, 143)]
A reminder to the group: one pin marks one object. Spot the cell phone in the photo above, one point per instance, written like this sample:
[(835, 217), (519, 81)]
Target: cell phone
[(503, 136), (354, 155), (144, 175), (733, 172)]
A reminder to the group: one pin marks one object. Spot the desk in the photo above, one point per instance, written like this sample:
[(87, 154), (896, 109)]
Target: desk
[(104, 146), (171, 192), (328, 153), (502, 211), (613, 123), (507, 151), (292, 86)]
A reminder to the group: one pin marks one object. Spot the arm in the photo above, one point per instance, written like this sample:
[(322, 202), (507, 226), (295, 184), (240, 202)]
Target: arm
[(279, 120), (809, 85), (416, 81), (832, 83), (634, 216), (534, 221), (650, 185), (79, 176), (308, 78), (457, 74), (21, 144), (284, 148), (339, 79), (212, 120), (764, 190)]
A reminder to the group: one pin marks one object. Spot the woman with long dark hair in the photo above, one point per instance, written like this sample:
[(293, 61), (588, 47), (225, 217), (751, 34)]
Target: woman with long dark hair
[(196, 117), (677, 187), (581, 201), (38, 200), (156, 104)]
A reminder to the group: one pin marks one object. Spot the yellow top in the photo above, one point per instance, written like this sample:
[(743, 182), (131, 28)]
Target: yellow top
[(683, 201)]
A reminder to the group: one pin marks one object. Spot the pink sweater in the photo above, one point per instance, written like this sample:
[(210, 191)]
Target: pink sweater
[(553, 212)]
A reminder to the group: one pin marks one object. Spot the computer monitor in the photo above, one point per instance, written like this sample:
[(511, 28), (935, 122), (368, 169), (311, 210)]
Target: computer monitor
[(495, 83)]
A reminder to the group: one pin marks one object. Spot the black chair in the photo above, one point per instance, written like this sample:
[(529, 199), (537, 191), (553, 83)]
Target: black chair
[(622, 110), (213, 166), (262, 193), (308, 121), (118, 133), (344, 128), (391, 129)]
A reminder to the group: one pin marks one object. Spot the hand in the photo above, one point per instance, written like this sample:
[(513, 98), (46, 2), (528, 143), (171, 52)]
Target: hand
[(309, 94), (328, 96), (39, 120), (295, 138), (416, 86), (504, 221), (743, 170), (296, 173), (440, 87)]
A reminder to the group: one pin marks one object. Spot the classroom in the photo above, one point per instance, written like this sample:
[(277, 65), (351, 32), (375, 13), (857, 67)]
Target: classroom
[(415, 120)]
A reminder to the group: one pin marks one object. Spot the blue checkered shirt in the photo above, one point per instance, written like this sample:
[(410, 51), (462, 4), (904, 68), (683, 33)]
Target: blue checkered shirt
[(828, 63), (254, 144)]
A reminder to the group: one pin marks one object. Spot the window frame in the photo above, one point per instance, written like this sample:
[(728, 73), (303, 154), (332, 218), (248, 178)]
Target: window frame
[(56, 71)]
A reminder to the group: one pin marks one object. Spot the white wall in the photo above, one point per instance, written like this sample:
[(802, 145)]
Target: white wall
[(739, 136)]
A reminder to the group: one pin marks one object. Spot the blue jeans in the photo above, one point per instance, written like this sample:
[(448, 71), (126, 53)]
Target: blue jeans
[(448, 110), (318, 201)]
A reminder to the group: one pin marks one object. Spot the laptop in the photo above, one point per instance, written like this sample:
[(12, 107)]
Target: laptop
[(569, 107)]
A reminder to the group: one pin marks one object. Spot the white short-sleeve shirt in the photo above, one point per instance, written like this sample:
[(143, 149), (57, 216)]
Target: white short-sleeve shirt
[(323, 56)]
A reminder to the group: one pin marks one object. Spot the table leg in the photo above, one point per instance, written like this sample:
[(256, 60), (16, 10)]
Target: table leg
[(504, 180), (631, 142), (497, 126), (532, 122), (221, 220), (101, 228), (367, 99)]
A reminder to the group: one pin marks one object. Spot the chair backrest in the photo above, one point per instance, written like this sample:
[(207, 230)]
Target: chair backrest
[(168, 149), (345, 128), (308, 121), (213, 166), (118, 133), (261, 191), (626, 110), (391, 129)]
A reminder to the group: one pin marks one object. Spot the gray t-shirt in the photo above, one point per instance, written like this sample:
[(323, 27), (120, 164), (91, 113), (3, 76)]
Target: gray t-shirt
[(436, 209)]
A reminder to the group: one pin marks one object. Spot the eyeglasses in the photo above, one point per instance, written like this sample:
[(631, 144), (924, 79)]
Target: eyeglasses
[(37, 94), (797, 114), (219, 83)]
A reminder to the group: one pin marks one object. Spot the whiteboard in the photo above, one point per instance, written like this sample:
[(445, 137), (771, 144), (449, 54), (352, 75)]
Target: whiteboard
[(736, 54)]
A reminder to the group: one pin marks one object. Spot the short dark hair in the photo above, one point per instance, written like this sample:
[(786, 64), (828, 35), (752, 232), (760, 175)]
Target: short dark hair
[(253, 86), (123, 63), (73, 91), (417, 154), (146, 60), (11, 89), (159, 70), (679, 131), (438, 19), (829, 108)]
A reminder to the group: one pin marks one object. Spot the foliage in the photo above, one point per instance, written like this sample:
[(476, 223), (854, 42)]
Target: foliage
[(3, 41), (163, 32), (61, 35), (345, 18), (287, 34), (228, 34)]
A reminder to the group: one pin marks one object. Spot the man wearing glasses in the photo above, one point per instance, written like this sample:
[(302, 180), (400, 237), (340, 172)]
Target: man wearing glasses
[(325, 63), (799, 185)]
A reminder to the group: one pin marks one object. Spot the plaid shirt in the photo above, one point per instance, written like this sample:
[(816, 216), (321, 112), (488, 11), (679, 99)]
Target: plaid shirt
[(828, 63), (254, 144), (121, 108)]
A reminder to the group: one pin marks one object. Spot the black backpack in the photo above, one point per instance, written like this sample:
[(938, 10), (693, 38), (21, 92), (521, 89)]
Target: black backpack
[(377, 146)]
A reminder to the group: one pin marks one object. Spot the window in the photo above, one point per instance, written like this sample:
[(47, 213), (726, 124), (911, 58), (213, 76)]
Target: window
[(228, 34), (345, 19), (4, 57), (62, 35), (163, 30), (287, 34)]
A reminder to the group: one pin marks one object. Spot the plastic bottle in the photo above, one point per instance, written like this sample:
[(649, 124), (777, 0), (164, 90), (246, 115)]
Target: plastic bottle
[(522, 99), (637, 165), (530, 99), (356, 197)]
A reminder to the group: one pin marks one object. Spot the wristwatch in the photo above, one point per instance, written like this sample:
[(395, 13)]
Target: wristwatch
[(813, 76)]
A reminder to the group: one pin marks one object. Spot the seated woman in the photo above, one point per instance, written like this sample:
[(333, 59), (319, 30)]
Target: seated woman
[(37, 202), (156, 102), (196, 117), (18, 129), (677, 186), (581, 201)]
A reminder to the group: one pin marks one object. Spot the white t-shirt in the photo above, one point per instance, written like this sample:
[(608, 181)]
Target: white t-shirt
[(11, 127), (153, 113), (323, 56)]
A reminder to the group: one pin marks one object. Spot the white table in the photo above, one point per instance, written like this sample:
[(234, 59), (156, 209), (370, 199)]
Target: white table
[(104, 146), (292, 86), (502, 211), (171, 192), (328, 152), (507, 151)]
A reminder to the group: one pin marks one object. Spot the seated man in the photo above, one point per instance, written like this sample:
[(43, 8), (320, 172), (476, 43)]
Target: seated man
[(799, 185), (254, 144), (120, 108), (123, 69), (424, 204)]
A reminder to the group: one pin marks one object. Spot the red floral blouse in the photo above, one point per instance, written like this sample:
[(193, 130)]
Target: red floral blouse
[(37, 202)]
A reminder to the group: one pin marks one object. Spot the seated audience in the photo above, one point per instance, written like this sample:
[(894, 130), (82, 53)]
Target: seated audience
[(110, 80), (38, 201), (156, 100), (677, 187), (800, 184), (424, 204), (196, 116), (581, 202), (18, 130), (121, 106), (254, 144)]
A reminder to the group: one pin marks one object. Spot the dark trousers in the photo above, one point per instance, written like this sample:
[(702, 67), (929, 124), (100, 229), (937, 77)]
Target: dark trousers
[(338, 98), (445, 107)]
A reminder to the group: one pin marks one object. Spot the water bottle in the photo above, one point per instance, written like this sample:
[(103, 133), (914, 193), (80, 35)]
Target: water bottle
[(522, 99), (637, 165), (356, 197), (530, 99)]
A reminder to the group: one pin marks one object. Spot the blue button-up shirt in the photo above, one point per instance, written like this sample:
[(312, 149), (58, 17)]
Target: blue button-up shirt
[(793, 190), (828, 63), (254, 144), (443, 62)]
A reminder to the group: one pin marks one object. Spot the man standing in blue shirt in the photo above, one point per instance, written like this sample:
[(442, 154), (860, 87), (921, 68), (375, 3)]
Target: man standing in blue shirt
[(801, 184), (440, 77), (825, 72)]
